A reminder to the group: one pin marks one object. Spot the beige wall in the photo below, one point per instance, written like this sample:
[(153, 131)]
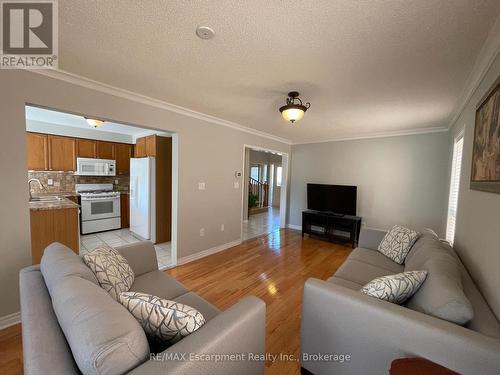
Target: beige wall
[(208, 153), (401, 180), (477, 233)]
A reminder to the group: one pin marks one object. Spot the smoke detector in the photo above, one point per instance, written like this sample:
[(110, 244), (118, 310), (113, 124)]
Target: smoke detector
[(205, 32)]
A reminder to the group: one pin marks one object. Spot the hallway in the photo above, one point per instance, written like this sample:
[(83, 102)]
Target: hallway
[(261, 223)]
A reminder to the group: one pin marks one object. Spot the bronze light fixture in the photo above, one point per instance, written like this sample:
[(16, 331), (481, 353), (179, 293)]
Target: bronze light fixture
[(294, 109)]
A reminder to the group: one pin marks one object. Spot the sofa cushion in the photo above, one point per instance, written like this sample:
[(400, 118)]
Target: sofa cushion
[(59, 261), (158, 284), (424, 247), (375, 258), (442, 294), (397, 243), (104, 337), (164, 321), (360, 272), (111, 270), (395, 288), (208, 310)]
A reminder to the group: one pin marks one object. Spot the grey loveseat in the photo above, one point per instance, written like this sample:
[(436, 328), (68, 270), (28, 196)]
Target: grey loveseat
[(337, 319), (71, 325)]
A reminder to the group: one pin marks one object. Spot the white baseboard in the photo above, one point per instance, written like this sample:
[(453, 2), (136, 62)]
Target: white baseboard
[(207, 252), (293, 226), (10, 320)]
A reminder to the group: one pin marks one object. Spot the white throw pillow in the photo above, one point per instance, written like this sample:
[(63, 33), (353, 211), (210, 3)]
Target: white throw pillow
[(111, 270), (395, 288), (397, 243), (164, 321)]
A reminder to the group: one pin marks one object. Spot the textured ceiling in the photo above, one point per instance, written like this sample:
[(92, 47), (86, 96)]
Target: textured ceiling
[(366, 66)]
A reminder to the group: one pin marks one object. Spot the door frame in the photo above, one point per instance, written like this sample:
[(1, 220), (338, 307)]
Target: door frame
[(283, 188)]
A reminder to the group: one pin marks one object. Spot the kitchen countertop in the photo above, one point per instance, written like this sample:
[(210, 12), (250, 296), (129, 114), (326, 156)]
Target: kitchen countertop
[(54, 205)]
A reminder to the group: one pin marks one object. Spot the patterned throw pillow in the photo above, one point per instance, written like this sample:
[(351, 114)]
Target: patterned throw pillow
[(164, 321), (395, 288), (111, 270), (397, 243)]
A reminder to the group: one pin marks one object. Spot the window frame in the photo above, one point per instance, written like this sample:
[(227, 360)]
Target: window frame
[(454, 187)]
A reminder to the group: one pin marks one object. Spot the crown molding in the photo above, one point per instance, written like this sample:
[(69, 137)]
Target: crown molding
[(489, 51), (143, 99), (397, 133)]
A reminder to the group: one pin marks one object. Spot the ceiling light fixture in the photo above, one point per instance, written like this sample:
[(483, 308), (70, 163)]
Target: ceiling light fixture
[(94, 122), (294, 109)]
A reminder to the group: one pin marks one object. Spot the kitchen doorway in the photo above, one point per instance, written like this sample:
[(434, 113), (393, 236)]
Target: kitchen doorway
[(118, 180)]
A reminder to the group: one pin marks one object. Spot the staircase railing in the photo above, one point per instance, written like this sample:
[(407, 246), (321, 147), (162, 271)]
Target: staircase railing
[(260, 190)]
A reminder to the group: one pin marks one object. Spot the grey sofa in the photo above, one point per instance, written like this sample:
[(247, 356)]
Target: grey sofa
[(71, 325), (338, 319)]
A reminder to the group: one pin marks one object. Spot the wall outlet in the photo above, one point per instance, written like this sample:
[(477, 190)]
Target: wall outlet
[(201, 186), (50, 182), (236, 185), (202, 232), (116, 182), (222, 228)]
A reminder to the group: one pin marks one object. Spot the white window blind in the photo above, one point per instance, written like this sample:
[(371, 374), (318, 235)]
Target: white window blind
[(454, 187)]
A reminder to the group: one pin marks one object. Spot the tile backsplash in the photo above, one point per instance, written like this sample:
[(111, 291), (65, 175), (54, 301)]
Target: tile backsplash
[(64, 182)]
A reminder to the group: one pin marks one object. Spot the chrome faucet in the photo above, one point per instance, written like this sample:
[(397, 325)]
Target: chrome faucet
[(29, 185)]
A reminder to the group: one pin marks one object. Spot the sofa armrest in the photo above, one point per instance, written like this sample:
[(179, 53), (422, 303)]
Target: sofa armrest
[(370, 238), (374, 333), (141, 256), (238, 330)]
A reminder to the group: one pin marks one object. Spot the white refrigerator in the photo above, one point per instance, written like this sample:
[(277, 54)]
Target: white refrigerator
[(142, 198)]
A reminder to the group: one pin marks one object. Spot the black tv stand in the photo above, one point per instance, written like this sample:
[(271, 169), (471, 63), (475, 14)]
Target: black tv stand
[(331, 213), (331, 226)]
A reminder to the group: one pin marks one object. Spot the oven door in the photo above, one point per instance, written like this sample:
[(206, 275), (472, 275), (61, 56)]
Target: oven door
[(100, 208)]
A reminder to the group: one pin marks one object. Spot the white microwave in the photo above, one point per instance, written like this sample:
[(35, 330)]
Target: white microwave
[(95, 167)]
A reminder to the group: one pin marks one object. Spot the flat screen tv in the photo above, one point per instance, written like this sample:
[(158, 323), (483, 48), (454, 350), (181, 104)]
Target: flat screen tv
[(338, 199)]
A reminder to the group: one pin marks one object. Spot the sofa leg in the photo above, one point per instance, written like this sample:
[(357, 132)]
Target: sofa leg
[(304, 371)]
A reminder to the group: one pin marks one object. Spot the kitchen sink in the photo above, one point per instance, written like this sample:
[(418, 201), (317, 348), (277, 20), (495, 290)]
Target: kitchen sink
[(46, 198)]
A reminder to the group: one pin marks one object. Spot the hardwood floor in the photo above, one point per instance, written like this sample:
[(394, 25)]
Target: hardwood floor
[(272, 267), (11, 351)]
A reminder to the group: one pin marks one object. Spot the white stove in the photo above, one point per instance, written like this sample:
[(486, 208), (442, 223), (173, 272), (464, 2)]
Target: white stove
[(100, 207)]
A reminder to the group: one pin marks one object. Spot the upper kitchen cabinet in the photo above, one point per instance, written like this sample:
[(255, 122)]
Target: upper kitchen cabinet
[(140, 147), (106, 150), (145, 146), (36, 151), (123, 154), (62, 153), (151, 145), (86, 148)]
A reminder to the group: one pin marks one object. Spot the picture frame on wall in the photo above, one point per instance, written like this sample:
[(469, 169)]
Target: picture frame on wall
[(485, 172)]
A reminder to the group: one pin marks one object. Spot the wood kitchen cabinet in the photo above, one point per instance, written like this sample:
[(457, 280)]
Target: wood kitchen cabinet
[(123, 153), (61, 153), (140, 147), (125, 209), (53, 225), (86, 148), (146, 146), (105, 150), (36, 151), (151, 145)]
